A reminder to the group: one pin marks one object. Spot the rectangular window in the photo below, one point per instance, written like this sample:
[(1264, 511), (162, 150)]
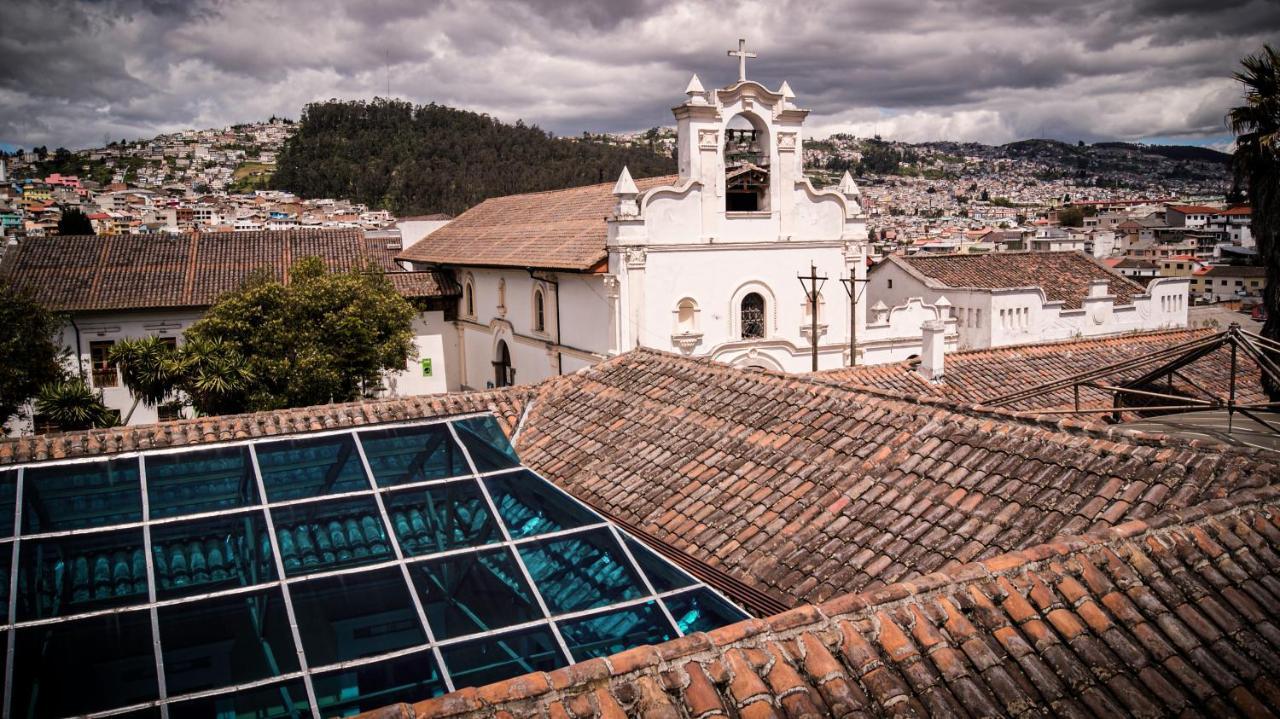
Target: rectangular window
[(104, 373)]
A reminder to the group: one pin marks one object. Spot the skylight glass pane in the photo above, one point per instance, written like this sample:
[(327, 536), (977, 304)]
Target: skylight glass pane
[(320, 536), (485, 442), (401, 455), (6, 558), (529, 505), (438, 517), (617, 631), (702, 610), (203, 481), (476, 592), (662, 574), (581, 571), (355, 615), (224, 641), (275, 701), (75, 574), (8, 495), (85, 494), (491, 659), (410, 678), (312, 467), (207, 555), (82, 666)]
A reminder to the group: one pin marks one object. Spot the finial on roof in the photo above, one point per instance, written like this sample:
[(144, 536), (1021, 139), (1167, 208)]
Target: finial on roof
[(786, 92), (847, 186), (695, 86), (625, 185)]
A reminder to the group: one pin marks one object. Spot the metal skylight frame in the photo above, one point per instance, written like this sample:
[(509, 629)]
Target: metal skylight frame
[(400, 559)]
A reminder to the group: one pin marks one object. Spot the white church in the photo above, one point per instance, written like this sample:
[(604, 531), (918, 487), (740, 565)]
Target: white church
[(704, 263)]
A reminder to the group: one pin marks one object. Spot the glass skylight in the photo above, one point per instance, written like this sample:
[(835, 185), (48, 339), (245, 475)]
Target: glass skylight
[(314, 575)]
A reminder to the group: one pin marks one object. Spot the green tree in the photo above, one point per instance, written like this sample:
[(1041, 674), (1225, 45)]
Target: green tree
[(29, 352), (213, 375), (148, 368), (71, 405), (1071, 217), (323, 337), (74, 222), (1256, 164)]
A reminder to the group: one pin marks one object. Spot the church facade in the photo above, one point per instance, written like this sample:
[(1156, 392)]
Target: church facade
[(704, 263)]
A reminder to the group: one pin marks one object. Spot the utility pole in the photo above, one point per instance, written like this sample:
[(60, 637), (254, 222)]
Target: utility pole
[(849, 283), (812, 291)]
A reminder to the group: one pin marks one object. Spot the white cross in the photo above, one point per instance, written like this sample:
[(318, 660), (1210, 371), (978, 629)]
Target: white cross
[(742, 56)]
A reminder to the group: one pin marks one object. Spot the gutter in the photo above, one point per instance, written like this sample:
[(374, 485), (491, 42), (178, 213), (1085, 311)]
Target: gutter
[(79, 356)]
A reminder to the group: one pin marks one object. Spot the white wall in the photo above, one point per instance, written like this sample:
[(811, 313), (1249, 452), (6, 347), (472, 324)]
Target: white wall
[(414, 231)]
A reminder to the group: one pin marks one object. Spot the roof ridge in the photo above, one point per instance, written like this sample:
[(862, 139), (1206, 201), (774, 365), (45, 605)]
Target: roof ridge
[(808, 618)]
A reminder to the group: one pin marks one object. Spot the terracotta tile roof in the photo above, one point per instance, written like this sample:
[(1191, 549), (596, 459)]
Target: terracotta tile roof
[(1194, 209), (1235, 271), (434, 283), (1064, 276), (146, 271), (978, 376), (1175, 615), (805, 491), (506, 404), (562, 229)]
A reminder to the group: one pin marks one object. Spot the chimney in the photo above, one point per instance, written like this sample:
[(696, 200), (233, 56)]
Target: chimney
[(1099, 288), (931, 350)]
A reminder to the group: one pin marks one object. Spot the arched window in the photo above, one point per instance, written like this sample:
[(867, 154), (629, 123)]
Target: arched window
[(539, 316), (746, 165), (504, 375), (752, 315), (469, 299), (687, 317)]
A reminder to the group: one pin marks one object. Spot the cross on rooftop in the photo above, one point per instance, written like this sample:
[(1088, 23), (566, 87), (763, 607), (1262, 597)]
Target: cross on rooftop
[(742, 55)]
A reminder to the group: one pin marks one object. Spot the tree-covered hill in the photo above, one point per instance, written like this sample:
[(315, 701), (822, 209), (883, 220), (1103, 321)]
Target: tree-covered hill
[(423, 159)]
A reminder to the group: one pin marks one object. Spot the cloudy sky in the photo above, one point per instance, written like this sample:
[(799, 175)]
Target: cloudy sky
[(76, 72)]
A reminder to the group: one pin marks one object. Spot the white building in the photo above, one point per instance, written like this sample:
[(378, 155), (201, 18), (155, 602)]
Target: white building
[(705, 262), (1012, 298), (132, 286)]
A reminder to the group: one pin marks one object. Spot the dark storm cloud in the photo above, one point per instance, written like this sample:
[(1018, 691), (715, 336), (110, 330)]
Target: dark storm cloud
[(991, 70)]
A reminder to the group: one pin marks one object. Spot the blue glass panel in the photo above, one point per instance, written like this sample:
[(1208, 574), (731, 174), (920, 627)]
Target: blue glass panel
[(203, 481), (84, 665), (88, 494), (224, 641), (470, 593), (355, 615), (206, 555), (311, 467), (320, 536), (410, 678), (400, 455), (485, 442), (275, 701), (581, 571), (439, 517), (612, 632), (492, 659), (702, 610), (6, 559), (530, 505), (69, 575), (662, 574), (8, 496)]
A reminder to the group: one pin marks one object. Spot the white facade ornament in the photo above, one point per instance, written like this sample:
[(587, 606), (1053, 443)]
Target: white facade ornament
[(786, 142), (636, 257), (697, 94), (742, 55), (708, 139), (787, 95), (611, 286), (625, 190)]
